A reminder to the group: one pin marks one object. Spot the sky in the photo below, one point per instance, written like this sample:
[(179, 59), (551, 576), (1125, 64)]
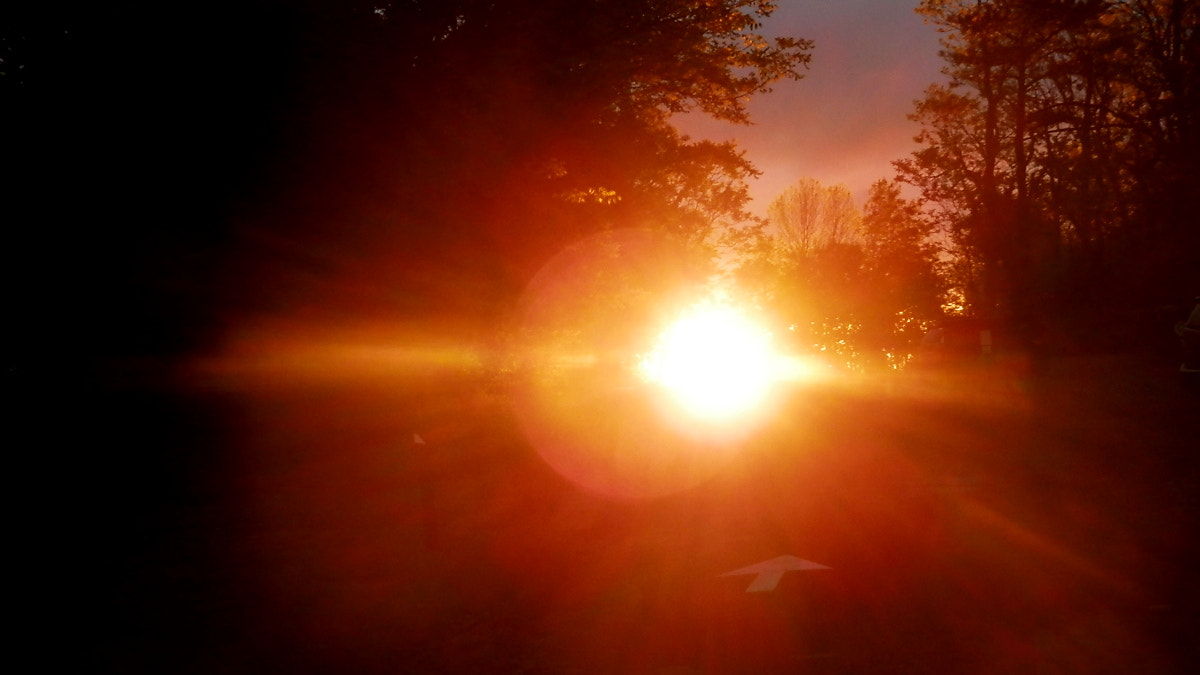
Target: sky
[(846, 121)]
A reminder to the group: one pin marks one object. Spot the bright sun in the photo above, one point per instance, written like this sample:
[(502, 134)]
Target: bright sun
[(715, 362)]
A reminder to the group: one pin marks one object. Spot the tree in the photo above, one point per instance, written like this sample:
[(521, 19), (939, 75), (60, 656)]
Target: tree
[(800, 266), (860, 287), (902, 269), (814, 248), (350, 157), (978, 150), (809, 216), (489, 135), (1045, 156), (1160, 77)]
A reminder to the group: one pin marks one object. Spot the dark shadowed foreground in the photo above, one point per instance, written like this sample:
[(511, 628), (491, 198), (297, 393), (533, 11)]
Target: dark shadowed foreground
[(972, 522)]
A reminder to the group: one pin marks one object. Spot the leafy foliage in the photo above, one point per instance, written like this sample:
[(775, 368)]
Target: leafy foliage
[(859, 287), (363, 157), (1061, 156), (524, 125)]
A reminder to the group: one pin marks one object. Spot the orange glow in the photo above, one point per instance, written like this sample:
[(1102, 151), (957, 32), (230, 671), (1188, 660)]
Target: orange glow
[(623, 383), (586, 329), (714, 362), (282, 353)]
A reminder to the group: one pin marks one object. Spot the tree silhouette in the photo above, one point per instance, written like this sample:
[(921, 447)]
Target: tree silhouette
[(1045, 155), (860, 287), (809, 216), (487, 135), (903, 270), (351, 157)]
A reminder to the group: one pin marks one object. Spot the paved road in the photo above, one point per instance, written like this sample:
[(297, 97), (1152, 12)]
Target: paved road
[(985, 522)]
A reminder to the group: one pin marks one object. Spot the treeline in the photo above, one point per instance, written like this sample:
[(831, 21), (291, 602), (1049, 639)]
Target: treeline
[(1061, 160), (178, 167), (169, 170), (1053, 198), (857, 286)]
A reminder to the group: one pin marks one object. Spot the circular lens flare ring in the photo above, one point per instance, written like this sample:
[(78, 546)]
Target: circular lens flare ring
[(714, 362)]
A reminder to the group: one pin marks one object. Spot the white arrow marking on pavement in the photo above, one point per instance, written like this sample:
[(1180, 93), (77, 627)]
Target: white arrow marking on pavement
[(771, 571)]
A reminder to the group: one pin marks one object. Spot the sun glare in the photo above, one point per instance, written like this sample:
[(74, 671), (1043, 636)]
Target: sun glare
[(714, 362)]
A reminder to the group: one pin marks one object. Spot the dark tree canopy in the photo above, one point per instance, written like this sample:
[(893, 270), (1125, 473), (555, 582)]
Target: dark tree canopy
[(213, 160), (488, 135), (1062, 155)]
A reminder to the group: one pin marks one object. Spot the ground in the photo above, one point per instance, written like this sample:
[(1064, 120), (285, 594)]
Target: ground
[(991, 519)]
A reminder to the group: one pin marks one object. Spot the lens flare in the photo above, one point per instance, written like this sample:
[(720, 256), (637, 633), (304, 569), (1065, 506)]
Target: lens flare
[(714, 362)]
